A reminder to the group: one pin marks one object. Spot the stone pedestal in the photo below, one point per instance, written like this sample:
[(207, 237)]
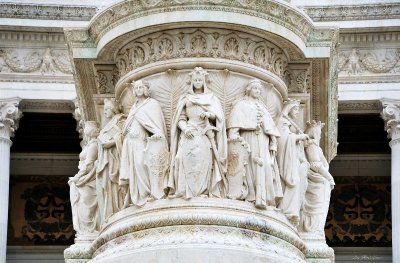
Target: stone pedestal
[(317, 251), (81, 251), (9, 116), (198, 230), (391, 114)]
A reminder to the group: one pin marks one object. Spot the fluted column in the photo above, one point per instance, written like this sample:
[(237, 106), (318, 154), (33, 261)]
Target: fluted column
[(391, 115), (9, 116)]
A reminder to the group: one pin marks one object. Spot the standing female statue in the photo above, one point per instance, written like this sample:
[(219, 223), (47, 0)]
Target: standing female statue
[(144, 157), (292, 162), (85, 212), (198, 142), (320, 184), (109, 196), (251, 122)]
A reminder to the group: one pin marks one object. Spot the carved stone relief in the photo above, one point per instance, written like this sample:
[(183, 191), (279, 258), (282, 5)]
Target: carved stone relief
[(369, 62), (212, 43), (106, 78), (47, 61)]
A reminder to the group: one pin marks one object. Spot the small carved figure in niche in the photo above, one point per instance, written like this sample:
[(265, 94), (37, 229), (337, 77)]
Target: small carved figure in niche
[(109, 194), (144, 157), (320, 184), (198, 143), (251, 123), (354, 66), (292, 162), (85, 212)]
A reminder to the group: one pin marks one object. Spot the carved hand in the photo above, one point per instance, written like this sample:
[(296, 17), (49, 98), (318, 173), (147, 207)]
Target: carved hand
[(108, 144), (188, 133), (207, 115), (302, 137), (156, 137)]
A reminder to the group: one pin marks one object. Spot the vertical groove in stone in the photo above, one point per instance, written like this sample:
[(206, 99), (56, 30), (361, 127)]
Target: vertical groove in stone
[(4, 189)]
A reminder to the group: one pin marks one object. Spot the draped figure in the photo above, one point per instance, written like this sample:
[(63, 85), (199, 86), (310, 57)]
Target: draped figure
[(85, 212), (292, 163), (320, 183), (144, 157), (198, 143), (109, 194), (251, 123)]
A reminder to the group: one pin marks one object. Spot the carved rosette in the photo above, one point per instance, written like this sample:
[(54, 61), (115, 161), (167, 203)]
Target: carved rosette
[(9, 118), (391, 115)]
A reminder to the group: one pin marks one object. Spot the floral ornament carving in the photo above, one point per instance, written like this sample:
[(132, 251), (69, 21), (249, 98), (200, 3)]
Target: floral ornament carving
[(46, 62), (299, 81), (201, 43), (359, 62), (9, 117)]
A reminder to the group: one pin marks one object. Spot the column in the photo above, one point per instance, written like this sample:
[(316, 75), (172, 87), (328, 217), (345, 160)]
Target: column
[(391, 115), (9, 116)]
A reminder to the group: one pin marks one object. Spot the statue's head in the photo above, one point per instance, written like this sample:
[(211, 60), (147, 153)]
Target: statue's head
[(198, 79), (254, 88), (141, 88), (110, 108), (291, 108), (91, 129), (314, 129)]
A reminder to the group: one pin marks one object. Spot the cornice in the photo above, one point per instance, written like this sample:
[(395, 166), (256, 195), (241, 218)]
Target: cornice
[(10, 38), (366, 39), (353, 12), (47, 12), (279, 12)]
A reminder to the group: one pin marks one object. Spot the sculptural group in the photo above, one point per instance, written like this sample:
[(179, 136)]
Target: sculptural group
[(245, 156)]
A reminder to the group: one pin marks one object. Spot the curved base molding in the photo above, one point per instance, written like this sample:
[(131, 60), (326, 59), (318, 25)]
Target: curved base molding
[(198, 230)]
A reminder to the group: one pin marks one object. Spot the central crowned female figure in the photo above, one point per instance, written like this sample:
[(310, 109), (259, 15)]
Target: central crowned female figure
[(198, 143)]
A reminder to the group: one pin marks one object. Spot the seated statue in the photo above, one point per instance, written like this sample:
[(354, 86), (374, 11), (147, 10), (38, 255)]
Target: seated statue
[(109, 194), (320, 184), (85, 212), (251, 124), (144, 157)]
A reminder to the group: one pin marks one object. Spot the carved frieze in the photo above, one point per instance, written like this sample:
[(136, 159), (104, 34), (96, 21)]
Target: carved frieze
[(369, 62), (44, 61), (353, 12), (48, 12), (186, 43)]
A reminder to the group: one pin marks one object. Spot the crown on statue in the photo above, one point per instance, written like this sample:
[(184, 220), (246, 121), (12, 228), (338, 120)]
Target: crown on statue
[(198, 71)]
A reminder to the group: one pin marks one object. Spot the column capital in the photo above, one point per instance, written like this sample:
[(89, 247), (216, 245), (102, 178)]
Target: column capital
[(391, 116), (9, 117)]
